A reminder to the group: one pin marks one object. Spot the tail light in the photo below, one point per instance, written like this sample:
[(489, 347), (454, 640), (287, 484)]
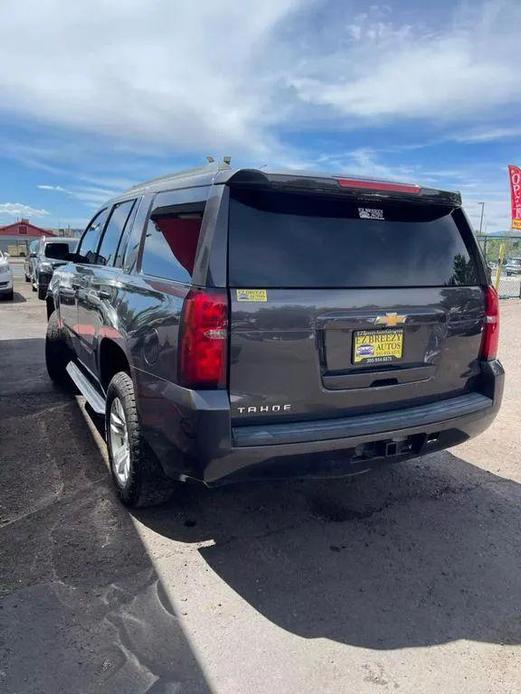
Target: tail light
[(490, 339), (384, 186), (203, 345)]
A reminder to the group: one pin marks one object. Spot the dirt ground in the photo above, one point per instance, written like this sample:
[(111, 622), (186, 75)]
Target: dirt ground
[(408, 579)]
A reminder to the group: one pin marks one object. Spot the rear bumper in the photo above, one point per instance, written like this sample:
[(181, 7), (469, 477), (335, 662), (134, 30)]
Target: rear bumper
[(190, 432)]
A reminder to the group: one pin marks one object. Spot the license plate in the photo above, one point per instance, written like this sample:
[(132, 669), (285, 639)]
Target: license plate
[(377, 346)]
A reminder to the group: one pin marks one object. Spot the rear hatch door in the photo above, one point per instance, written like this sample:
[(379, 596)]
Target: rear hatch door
[(345, 304)]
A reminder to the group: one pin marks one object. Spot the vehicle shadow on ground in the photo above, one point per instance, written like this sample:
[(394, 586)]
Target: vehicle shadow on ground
[(18, 298), (417, 554), (81, 606)]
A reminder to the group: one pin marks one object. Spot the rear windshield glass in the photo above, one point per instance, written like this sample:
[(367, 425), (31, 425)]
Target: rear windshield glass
[(59, 249), (296, 241)]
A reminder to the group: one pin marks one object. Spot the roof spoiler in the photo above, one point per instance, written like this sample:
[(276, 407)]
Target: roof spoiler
[(345, 186)]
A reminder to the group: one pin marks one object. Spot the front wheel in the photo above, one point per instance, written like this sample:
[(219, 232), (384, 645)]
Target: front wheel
[(136, 473), (42, 293)]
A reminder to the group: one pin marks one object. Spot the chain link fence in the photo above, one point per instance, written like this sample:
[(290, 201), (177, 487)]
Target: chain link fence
[(503, 256)]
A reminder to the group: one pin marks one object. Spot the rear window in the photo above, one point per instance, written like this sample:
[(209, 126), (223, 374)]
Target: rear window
[(59, 249), (296, 241)]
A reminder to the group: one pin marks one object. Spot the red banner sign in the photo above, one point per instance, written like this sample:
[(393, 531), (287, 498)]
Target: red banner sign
[(514, 173)]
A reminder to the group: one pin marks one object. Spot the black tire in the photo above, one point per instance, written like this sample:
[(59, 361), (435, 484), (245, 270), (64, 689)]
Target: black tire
[(33, 286), (27, 279), (42, 293), (57, 353), (146, 484)]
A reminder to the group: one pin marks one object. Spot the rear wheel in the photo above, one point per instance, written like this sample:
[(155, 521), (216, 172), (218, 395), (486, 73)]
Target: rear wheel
[(136, 473), (42, 293), (57, 353), (27, 278)]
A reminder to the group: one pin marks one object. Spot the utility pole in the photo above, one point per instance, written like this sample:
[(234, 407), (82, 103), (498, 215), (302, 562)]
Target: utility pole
[(481, 220)]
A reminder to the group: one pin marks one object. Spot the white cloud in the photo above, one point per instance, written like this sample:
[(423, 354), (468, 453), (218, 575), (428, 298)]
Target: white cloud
[(17, 209), (172, 72), (487, 134), (465, 70), (364, 161), (224, 76), (92, 196)]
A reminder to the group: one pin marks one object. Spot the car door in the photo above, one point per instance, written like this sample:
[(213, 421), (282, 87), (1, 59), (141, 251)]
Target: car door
[(72, 278), (100, 286)]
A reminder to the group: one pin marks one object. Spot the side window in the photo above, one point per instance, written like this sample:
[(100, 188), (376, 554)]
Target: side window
[(113, 231), (134, 238), (171, 239), (89, 241), (123, 242)]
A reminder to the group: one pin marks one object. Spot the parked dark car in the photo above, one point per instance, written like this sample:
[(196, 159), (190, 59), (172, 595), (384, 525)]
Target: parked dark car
[(51, 253), (242, 324), (29, 259)]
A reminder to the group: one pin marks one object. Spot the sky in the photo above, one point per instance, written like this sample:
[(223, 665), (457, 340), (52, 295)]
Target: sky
[(96, 95)]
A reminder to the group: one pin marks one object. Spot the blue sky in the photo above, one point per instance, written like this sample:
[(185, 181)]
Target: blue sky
[(97, 95)]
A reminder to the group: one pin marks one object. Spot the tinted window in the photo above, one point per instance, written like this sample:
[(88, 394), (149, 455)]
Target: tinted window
[(288, 240), (89, 241), (59, 249), (171, 239), (113, 230)]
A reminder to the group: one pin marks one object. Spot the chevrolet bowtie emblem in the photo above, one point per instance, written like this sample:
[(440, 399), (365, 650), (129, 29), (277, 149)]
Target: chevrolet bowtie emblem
[(390, 320)]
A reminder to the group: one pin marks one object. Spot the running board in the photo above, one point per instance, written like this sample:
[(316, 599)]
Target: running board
[(93, 397)]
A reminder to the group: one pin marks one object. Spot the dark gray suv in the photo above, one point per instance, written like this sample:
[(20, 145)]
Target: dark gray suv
[(245, 324)]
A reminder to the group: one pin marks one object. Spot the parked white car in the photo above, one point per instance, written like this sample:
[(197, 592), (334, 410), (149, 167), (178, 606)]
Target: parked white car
[(6, 277)]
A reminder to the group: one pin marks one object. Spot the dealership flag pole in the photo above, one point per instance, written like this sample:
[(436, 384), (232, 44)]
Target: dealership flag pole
[(500, 262)]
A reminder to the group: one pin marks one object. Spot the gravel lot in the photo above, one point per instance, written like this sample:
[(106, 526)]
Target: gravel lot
[(407, 580)]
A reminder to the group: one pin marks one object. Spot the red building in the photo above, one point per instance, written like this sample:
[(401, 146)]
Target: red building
[(17, 236)]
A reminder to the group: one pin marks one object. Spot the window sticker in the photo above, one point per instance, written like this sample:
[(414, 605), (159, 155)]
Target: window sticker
[(370, 213), (252, 295)]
